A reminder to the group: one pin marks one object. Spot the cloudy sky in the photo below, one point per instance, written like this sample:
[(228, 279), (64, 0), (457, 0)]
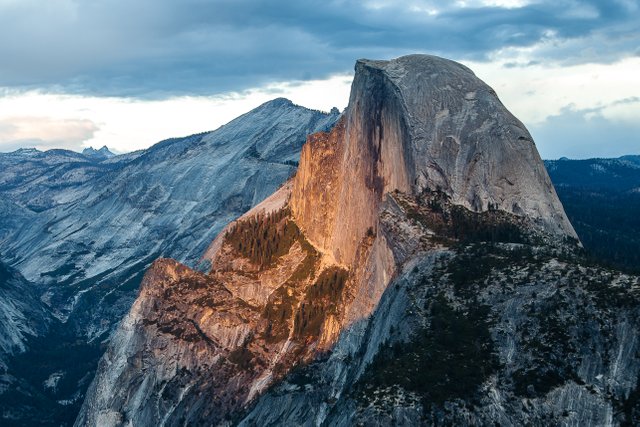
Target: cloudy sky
[(125, 73)]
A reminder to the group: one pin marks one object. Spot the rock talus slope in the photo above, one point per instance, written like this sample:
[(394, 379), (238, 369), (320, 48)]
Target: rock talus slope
[(417, 222)]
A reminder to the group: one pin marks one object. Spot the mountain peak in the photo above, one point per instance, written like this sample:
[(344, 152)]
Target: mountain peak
[(278, 103), (26, 151), (424, 157), (455, 135), (414, 125), (102, 153), (415, 64)]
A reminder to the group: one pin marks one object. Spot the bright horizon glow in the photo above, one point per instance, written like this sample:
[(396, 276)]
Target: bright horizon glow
[(123, 124), (535, 94)]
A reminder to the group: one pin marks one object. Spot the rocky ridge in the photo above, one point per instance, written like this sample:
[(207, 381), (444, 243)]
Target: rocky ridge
[(170, 199), (102, 153), (418, 220)]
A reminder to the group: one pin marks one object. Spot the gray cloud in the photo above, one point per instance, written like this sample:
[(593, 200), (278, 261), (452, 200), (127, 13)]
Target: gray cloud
[(586, 133), (159, 48)]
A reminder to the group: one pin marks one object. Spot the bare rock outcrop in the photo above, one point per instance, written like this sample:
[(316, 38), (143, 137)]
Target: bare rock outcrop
[(419, 123), (424, 158)]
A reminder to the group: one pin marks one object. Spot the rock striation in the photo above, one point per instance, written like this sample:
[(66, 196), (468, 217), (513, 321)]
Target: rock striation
[(23, 317), (417, 223), (22, 314)]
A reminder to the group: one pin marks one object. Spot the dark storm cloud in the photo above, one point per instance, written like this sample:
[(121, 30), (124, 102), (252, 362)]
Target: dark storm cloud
[(156, 48)]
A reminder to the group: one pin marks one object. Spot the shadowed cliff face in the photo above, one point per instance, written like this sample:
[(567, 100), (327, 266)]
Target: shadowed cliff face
[(424, 160), (22, 314)]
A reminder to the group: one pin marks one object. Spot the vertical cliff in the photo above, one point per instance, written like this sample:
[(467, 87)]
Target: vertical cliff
[(364, 253), (413, 124)]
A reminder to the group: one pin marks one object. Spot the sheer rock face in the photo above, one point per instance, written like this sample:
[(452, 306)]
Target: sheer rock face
[(422, 137), (414, 123)]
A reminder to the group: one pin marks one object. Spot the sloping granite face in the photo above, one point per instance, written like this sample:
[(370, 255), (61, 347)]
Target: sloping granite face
[(177, 322), (467, 143), (22, 314)]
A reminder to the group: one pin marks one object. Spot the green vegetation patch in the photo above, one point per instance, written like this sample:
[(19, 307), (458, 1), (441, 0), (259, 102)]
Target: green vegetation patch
[(434, 211), (328, 288), (59, 351), (449, 359), (607, 296), (322, 299), (264, 238), (277, 312), (490, 226), (242, 357), (601, 201), (553, 354), (473, 264)]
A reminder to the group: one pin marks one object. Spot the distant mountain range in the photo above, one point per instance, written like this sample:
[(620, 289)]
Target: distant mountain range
[(102, 153), (619, 175), (602, 200)]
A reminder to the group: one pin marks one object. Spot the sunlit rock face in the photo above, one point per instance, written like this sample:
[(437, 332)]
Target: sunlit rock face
[(420, 122), (414, 224)]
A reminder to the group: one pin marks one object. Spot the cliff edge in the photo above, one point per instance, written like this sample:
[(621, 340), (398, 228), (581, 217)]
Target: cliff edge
[(396, 269)]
